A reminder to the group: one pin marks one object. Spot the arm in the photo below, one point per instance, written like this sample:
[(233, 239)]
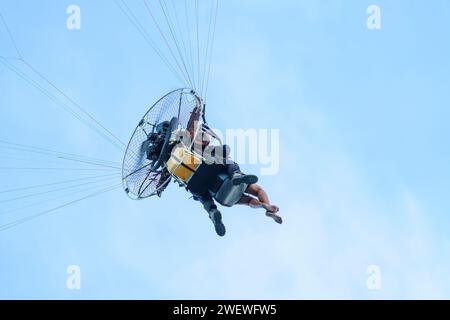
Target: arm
[(192, 125)]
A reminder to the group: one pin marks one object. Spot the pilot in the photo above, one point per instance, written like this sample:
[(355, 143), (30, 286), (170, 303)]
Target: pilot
[(217, 162)]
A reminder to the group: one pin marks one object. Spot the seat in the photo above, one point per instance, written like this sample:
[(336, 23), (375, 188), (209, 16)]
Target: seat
[(226, 193)]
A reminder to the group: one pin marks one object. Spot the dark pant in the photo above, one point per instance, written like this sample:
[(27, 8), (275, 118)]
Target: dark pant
[(205, 197), (229, 167)]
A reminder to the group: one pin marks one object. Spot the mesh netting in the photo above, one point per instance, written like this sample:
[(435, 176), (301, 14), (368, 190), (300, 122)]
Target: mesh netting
[(139, 180)]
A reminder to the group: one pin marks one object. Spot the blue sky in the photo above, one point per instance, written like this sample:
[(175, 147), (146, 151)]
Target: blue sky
[(364, 178)]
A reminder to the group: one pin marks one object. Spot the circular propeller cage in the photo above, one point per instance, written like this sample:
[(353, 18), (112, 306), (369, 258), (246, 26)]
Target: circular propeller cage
[(140, 179)]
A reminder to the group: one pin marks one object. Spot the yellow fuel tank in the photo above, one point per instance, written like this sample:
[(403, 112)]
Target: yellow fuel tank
[(183, 163)]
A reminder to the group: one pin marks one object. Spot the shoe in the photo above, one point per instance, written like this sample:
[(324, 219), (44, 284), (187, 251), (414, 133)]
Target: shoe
[(216, 218), (240, 178)]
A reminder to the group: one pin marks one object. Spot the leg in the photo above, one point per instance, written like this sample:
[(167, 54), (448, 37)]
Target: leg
[(214, 214), (231, 168), (257, 199), (222, 156), (208, 203), (237, 177), (252, 202), (262, 198)]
